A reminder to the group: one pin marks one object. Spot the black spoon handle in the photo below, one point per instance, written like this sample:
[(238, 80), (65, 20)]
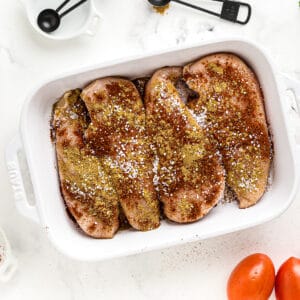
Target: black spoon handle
[(72, 7), (62, 5), (197, 7)]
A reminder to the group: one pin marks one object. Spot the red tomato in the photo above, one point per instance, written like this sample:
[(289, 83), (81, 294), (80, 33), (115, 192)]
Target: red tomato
[(287, 286), (252, 279)]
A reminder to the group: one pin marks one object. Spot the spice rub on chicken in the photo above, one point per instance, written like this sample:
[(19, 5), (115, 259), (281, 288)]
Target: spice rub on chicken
[(231, 110), (190, 179), (85, 186), (117, 131)]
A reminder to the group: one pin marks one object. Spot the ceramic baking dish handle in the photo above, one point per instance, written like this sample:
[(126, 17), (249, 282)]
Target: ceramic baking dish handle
[(16, 180), (293, 85)]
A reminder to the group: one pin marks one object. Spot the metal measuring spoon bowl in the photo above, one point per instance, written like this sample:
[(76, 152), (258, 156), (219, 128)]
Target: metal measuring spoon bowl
[(49, 19), (159, 2)]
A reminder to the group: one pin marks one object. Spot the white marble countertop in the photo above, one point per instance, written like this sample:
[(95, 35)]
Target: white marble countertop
[(194, 271)]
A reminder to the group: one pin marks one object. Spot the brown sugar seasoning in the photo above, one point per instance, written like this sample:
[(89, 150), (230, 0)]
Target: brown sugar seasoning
[(161, 9)]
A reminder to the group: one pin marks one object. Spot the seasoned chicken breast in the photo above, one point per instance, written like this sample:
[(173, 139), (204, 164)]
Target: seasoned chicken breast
[(117, 130), (190, 178), (86, 188), (231, 110)]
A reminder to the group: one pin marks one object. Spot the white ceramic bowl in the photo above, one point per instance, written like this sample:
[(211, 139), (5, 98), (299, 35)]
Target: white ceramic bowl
[(50, 210), (83, 20), (8, 263)]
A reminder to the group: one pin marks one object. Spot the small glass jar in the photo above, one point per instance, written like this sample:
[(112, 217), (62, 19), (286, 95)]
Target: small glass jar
[(8, 263)]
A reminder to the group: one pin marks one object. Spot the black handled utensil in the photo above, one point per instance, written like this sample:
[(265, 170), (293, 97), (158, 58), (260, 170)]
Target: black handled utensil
[(49, 19), (229, 12)]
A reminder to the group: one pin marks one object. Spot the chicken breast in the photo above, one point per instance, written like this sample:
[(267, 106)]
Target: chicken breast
[(230, 108), (86, 188), (190, 179), (117, 130)]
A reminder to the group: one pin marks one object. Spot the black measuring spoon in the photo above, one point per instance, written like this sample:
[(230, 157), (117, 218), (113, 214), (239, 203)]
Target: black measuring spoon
[(49, 19), (229, 12)]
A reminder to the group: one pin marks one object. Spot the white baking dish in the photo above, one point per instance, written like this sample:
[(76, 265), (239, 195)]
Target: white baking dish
[(49, 209)]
